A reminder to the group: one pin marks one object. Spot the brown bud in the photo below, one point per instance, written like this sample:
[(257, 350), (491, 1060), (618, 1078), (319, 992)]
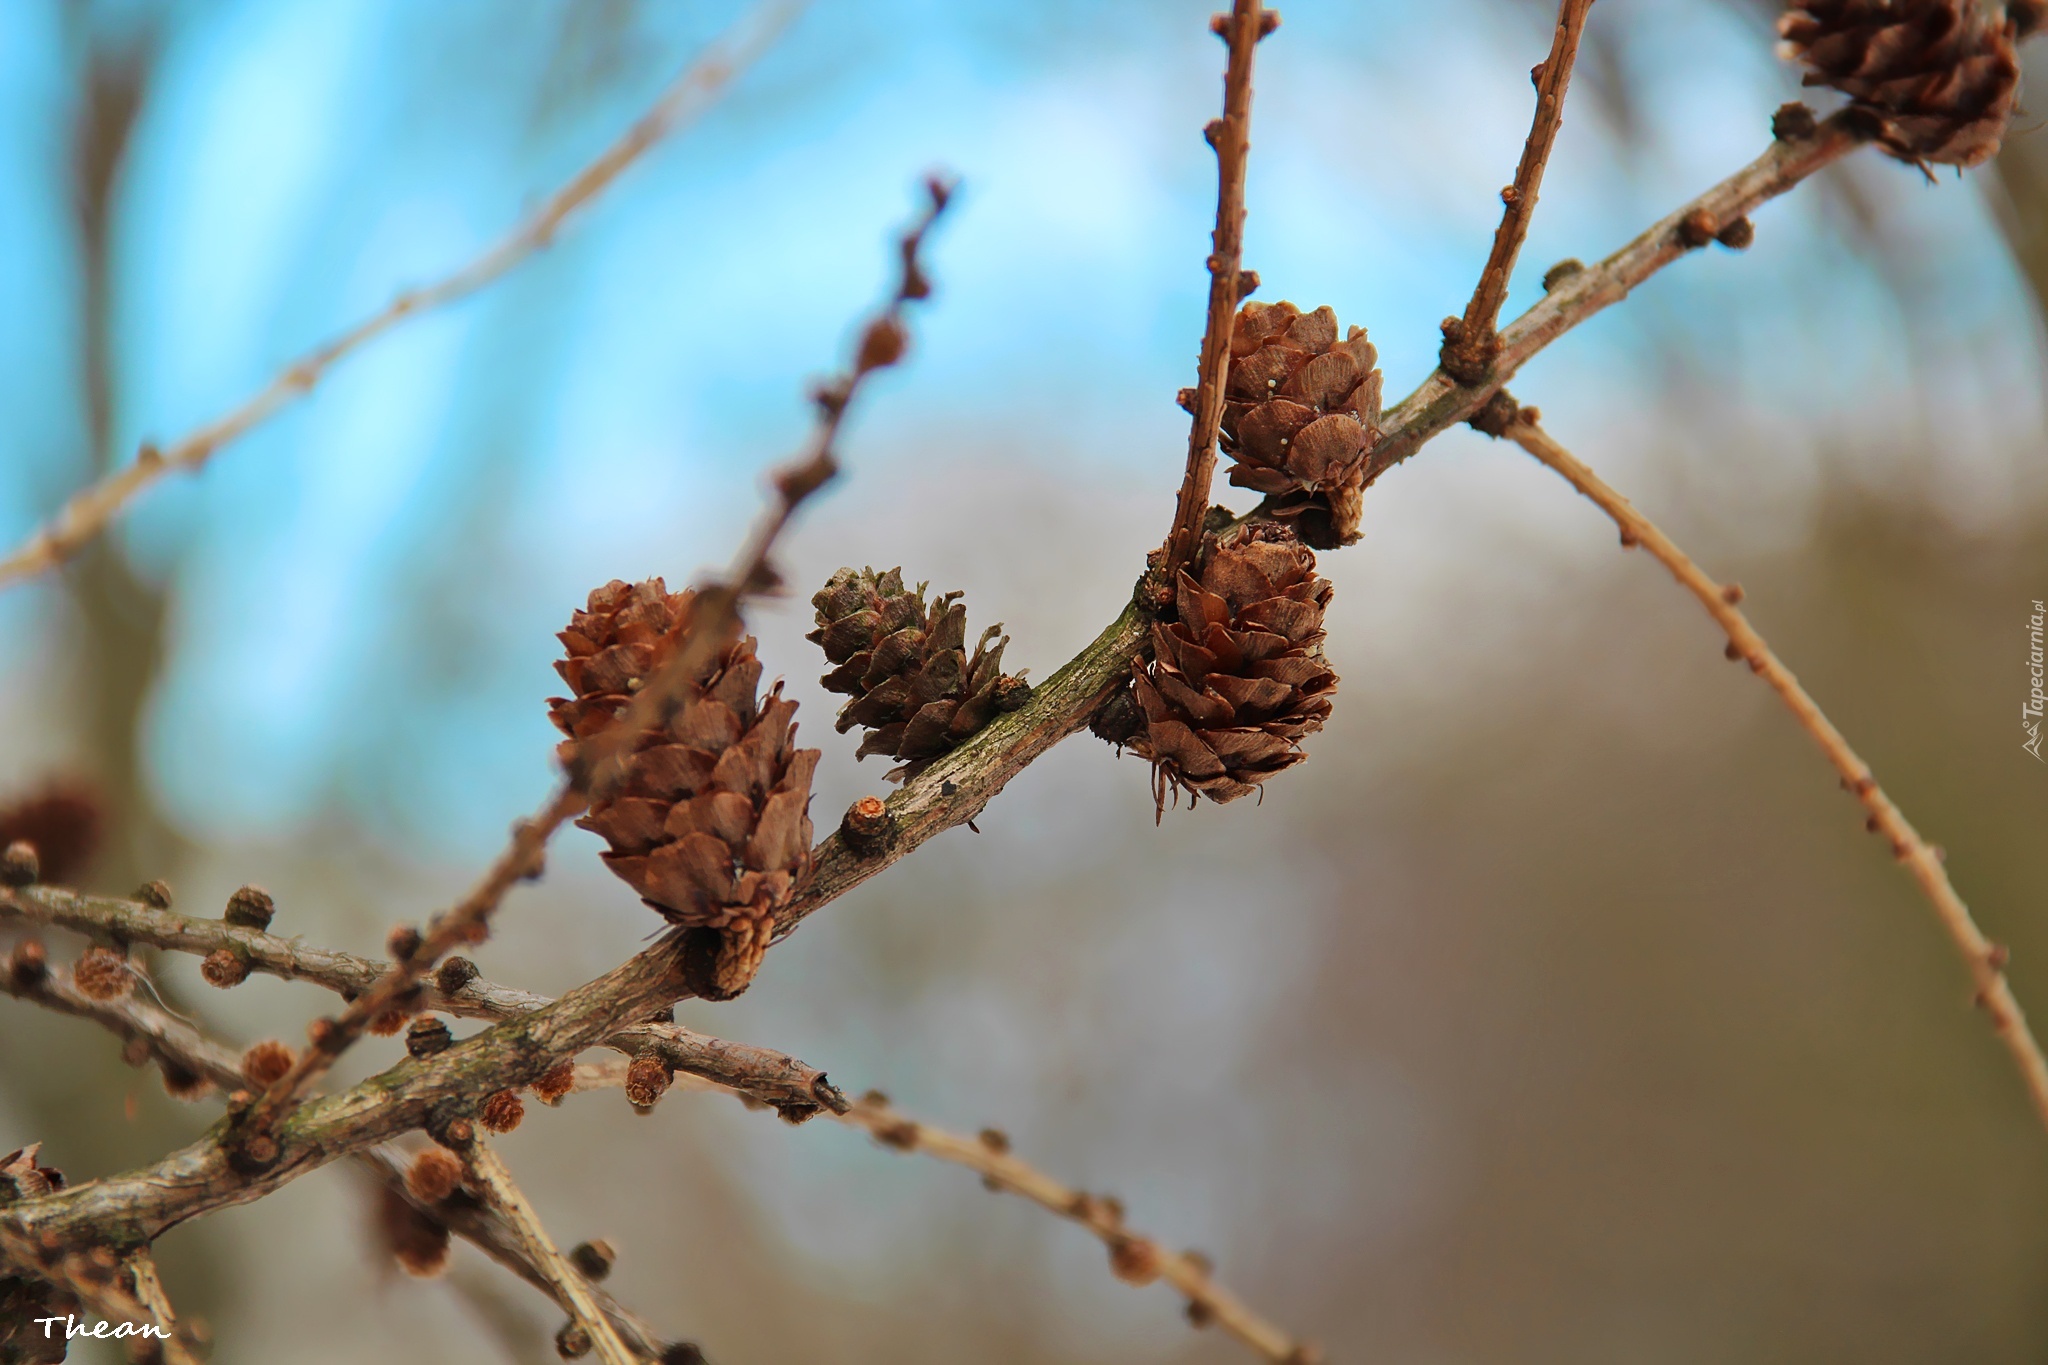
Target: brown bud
[(501, 1112), (427, 1036), (867, 826), (1247, 284), (1732, 593), (418, 1242), (326, 1035), (1794, 120), (996, 1140), (28, 964), (250, 907), (572, 1342), (266, 1063), (224, 967), (647, 1079), (593, 1259), (155, 894), (1697, 228), (455, 1134), (1997, 956), (451, 976), (19, 865), (554, 1083), (388, 1021), (1739, 235), (682, 1353), (181, 1082), (1135, 1259), (902, 1135), (882, 345), (402, 942), (1200, 1314), (1561, 272), (433, 1175), (102, 974)]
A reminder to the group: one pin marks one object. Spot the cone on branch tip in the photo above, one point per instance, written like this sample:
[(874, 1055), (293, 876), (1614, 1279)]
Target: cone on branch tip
[(903, 662), (1301, 412), (711, 824), (1239, 679), (1933, 81)]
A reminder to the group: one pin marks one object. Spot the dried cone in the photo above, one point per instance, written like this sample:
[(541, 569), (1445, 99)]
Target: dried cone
[(1301, 412), (904, 663), (1240, 678), (711, 825), (1935, 80)]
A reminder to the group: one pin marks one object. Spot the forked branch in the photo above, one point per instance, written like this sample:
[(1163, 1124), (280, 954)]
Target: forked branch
[(510, 1203), (1985, 959), (1470, 342)]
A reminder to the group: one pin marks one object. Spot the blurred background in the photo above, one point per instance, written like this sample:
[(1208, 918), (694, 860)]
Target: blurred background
[(1557, 1010)]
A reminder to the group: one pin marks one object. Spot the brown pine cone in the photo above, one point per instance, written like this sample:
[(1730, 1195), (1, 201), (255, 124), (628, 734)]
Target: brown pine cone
[(1934, 80), (1240, 678), (904, 664), (1301, 412), (711, 825)]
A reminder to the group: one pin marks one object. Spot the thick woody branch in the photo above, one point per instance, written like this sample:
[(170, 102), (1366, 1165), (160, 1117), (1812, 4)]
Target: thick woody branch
[(1469, 343), (1442, 402), (1230, 135), (89, 512), (221, 1170), (506, 1199), (179, 1048), (772, 1077), (1985, 959)]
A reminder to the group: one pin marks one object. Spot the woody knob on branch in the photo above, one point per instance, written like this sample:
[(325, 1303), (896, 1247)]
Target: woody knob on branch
[(710, 822)]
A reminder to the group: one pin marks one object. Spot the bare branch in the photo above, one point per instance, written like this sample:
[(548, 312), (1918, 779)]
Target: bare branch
[(1470, 343), (1985, 959), (1134, 1257), (179, 1047), (1441, 402), (772, 1077), (570, 1287), (89, 512), (1230, 135)]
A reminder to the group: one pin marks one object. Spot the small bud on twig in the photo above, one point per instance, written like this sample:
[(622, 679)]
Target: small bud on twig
[(250, 907), (224, 967), (102, 974), (502, 1112), (593, 1259), (427, 1036), (19, 865)]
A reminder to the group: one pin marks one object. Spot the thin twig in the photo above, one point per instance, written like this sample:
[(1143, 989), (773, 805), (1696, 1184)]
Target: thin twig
[(505, 1196), (1230, 135), (1469, 343), (1441, 402), (89, 511), (1985, 959), (1134, 1257)]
